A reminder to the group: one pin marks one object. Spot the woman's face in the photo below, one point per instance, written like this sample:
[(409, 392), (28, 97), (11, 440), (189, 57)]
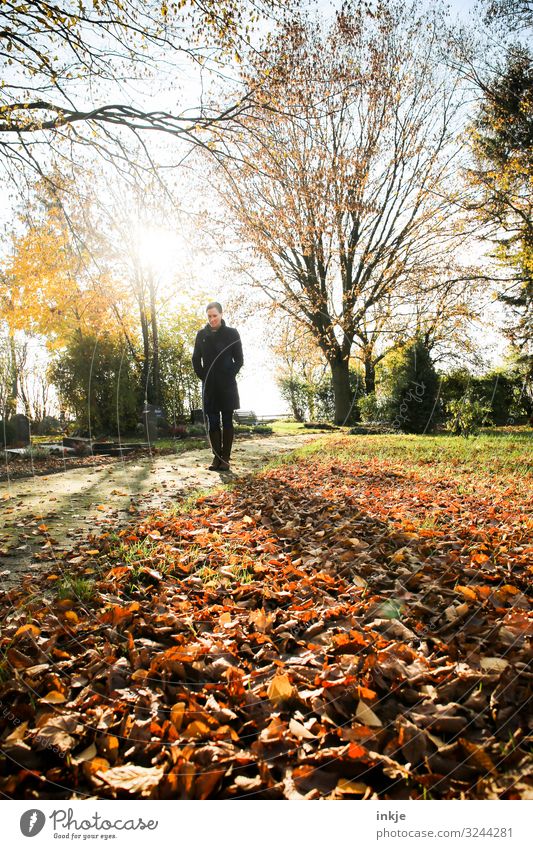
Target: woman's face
[(214, 318)]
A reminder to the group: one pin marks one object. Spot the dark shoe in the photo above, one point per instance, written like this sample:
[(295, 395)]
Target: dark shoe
[(215, 438), (227, 442)]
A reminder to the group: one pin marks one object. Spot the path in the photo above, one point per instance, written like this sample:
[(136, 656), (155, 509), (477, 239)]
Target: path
[(49, 513)]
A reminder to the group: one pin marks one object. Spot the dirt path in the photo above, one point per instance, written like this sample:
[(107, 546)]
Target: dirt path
[(43, 516)]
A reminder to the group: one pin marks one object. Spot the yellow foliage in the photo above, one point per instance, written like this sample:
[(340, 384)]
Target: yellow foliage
[(51, 289)]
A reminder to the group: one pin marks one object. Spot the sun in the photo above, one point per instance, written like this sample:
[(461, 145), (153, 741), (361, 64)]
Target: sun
[(161, 251)]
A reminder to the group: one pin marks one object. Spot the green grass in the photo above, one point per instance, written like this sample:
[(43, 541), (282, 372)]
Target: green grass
[(189, 503), (493, 452), (211, 576), (179, 446), (284, 427), (81, 589)]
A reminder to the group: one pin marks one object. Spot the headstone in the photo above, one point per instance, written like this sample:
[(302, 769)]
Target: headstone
[(197, 416), (21, 430)]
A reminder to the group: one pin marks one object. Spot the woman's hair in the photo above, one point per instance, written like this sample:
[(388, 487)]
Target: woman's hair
[(213, 305)]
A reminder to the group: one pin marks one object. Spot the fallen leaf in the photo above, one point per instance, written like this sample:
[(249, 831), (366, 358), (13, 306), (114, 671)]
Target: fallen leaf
[(366, 716), (280, 688), (137, 780), (32, 630)]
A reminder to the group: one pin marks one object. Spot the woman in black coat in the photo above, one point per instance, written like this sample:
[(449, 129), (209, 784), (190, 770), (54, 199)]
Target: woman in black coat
[(217, 359)]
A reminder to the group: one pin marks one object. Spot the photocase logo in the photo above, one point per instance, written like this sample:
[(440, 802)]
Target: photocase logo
[(32, 822)]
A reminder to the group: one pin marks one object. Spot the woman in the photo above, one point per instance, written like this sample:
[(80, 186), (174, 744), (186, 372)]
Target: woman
[(217, 359)]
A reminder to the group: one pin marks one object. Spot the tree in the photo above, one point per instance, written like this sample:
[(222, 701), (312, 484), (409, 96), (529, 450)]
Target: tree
[(515, 14), (8, 373), (23, 377), (48, 287), (180, 390), (410, 388), (301, 369), (502, 144), (50, 53), (97, 381), (347, 167)]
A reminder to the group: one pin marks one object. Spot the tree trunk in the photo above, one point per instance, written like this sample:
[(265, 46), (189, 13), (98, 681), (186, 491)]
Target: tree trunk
[(12, 395), (146, 381), (156, 376), (370, 374), (341, 389)]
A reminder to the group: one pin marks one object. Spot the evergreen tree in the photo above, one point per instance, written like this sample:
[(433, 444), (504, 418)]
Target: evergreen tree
[(410, 385)]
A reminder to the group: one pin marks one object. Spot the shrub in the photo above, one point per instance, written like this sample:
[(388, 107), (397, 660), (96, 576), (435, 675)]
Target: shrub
[(504, 393), (467, 415), (372, 409), (297, 393)]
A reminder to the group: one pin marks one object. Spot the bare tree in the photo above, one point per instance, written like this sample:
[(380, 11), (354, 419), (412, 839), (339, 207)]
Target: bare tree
[(347, 187)]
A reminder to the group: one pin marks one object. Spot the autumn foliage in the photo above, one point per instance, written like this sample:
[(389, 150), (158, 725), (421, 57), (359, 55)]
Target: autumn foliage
[(330, 628)]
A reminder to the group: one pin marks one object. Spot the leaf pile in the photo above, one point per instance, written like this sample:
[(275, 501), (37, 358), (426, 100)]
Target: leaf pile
[(323, 630)]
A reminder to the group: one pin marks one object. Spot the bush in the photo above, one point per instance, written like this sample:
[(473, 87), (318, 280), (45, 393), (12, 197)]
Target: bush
[(467, 415), (48, 426), (298, 394), (501, 392), (372, 409), (196, 430)]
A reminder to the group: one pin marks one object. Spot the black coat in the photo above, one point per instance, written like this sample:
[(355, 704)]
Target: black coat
[(217, 358)]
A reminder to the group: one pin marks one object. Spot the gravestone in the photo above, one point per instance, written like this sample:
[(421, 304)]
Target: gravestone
[(21, 430), (197, 417)]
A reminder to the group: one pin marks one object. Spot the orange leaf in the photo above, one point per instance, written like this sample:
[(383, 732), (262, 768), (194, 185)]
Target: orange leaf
[(357, 788), (467, 592), (176, 714), (355, 751), (479, 557), (197, 729), (28, 629), (54, 697), (71, 617), (365, 693), (280, 688)]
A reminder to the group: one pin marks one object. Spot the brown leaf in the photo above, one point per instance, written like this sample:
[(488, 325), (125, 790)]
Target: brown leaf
[(54, 697)]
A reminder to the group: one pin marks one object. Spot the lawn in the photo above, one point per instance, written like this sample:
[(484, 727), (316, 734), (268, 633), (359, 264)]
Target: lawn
[(352, 622)]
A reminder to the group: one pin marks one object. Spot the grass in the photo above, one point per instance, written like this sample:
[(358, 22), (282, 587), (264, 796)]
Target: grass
[(282, 427), (492, 452), (211, 576), (190, 501), (81, 589), (179, 446)]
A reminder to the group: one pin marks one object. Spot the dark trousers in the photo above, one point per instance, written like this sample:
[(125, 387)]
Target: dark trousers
[(213, 420)]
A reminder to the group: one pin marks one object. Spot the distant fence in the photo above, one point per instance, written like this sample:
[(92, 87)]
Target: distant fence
[(249, 417)]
